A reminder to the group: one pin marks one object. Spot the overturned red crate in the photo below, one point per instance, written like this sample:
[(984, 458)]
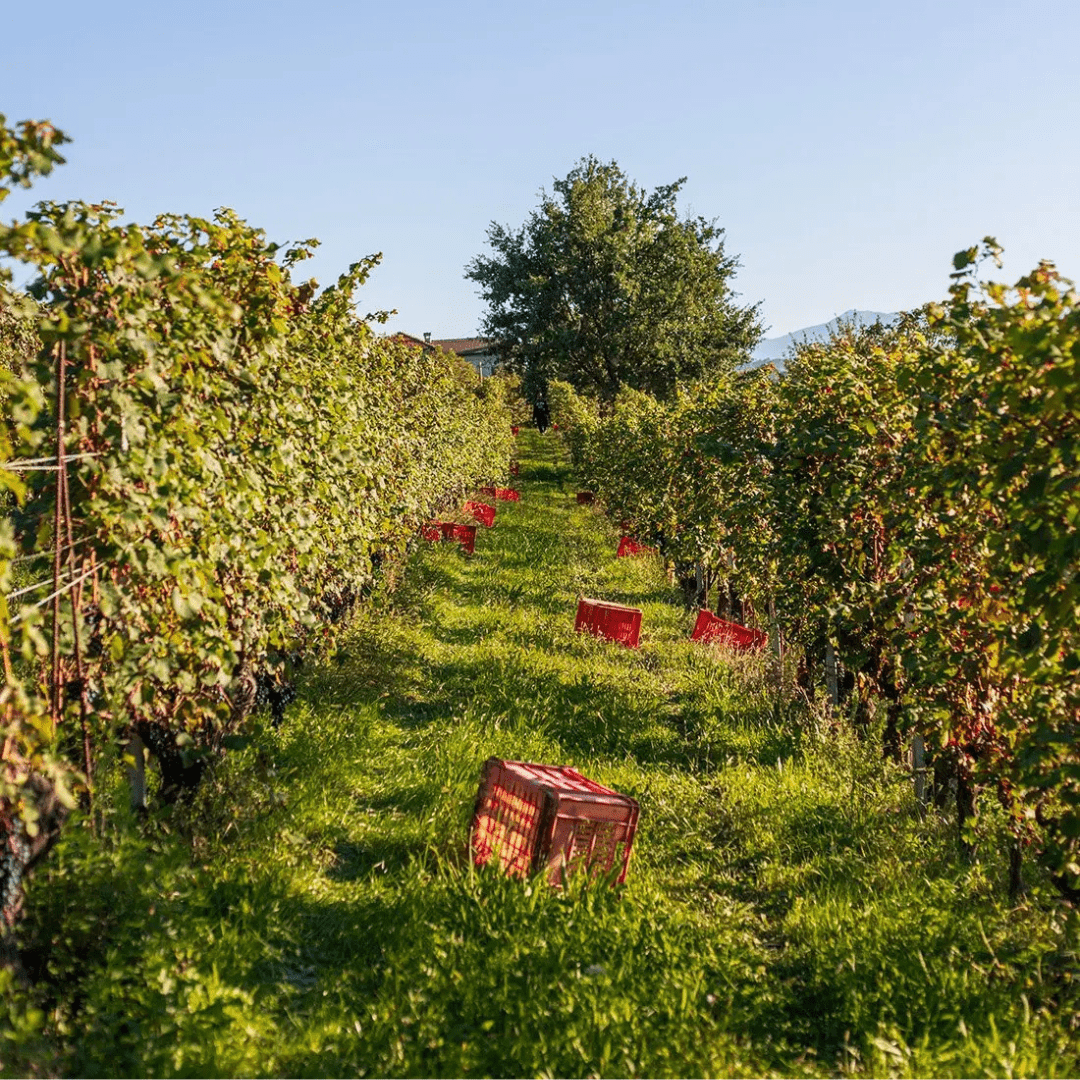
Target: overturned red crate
[(628, 547), (585, 498), (507, 494), (482, 512), (549, 818), (616, 622), (711, 628), (463, 534)]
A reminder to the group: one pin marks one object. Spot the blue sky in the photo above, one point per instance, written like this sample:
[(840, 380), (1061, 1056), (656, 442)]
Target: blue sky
[(848, 148)]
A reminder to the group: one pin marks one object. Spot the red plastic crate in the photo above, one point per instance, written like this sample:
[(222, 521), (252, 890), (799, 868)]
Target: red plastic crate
[(432, 530), (482, 512), (514, 429), (629, 547), (616, 622), (549, 818), (464, 534), (507, 494), (712, 628), (585, 498)]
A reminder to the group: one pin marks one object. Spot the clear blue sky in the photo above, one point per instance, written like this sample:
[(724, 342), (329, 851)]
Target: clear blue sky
[(849, 147)]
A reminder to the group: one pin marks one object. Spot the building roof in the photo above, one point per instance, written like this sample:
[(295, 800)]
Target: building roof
[(408, 339), (465, 346)]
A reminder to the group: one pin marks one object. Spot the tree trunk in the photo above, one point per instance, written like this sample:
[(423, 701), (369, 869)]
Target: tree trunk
[(891, 747), (1016, 859), (967, 808)]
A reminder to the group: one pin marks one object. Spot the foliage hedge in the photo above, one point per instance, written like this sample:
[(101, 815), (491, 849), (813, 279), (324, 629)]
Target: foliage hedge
[(907, 498), (246, 457)]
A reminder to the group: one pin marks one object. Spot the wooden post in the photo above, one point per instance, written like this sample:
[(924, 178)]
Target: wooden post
[(832, 682), (137, 773), (918, 770), (777, 646), (55, 691)]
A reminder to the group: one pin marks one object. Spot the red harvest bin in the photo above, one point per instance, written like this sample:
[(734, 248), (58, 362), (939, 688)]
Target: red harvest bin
[(464, 534), (505, 494), (712, 628), (629, 547), (616, 622), (482, 512), (585, 498), (432, 530), (514, 429), (550, 818)]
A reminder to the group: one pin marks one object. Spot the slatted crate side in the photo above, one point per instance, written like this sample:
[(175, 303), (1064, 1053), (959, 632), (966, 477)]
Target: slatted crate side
[(464, 534), (711, 629), (597, 835), (628, 547), (506, 823), (483, 513), (616, 622)]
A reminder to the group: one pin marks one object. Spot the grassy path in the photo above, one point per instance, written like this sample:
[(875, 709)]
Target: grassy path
[(785, 911)]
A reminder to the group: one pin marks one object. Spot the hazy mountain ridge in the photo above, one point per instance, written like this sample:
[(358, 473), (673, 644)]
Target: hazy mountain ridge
[(774, 350)]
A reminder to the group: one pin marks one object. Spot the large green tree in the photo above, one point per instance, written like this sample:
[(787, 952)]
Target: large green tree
[(606, 285)]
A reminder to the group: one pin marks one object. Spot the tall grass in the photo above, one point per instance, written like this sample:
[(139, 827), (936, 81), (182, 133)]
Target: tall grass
[(315, 913)]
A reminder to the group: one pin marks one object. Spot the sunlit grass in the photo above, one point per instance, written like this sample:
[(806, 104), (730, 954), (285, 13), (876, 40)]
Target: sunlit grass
[(315, 913)]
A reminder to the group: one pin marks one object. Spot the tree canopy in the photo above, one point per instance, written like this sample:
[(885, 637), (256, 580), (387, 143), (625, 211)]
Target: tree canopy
[(605, 285)]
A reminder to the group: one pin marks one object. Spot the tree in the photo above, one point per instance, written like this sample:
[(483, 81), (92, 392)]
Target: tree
[(605, 285)]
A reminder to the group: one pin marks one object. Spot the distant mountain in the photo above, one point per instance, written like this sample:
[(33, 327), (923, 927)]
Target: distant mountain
[(774, 350)]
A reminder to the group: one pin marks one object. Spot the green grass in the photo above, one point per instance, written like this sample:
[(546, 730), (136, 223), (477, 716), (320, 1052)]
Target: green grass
[(786, 911)]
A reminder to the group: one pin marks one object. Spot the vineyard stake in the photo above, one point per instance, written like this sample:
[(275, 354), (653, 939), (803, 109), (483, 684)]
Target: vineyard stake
[(918, 769), (832, 683)]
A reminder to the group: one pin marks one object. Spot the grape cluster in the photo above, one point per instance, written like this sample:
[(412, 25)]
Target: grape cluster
[(94, 623), (337, 605), (13, 862), (275, 693), (180, 773)]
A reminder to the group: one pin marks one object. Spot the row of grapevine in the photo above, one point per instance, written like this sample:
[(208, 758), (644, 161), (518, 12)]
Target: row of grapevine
[(905, 499), (207, 465)]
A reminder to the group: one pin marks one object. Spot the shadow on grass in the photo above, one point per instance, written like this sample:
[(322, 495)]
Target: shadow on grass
[(378, 854)]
